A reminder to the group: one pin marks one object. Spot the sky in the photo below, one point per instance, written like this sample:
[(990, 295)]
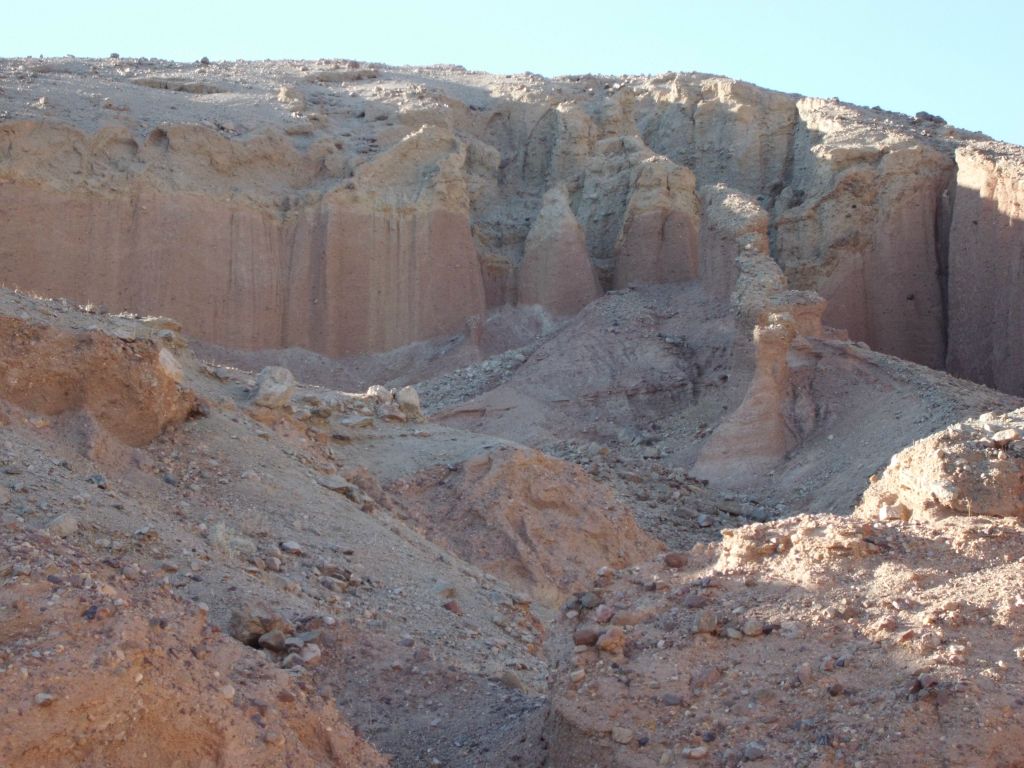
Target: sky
[(957, 60)]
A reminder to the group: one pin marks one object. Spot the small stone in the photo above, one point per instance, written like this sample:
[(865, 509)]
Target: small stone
[(292, 660), (753, 750), (272, 640), (1005, 437), (732, 633), (309, 636), (695, 753), (453, 606), (612, 640), (409, 401), (131, 572), (753, 628), (706, 623), (590, 600), (62, 526), (675, 560), (511, 680), (577, 675), (694, 600), (805, 674), (927, 680), (673, 700), (249, 623), (622, 735), (310, 654), (274, 387), (274, 738), (586, 636), (603, 614), (45, 699), (291, 548), (227, 691), (336, 483)]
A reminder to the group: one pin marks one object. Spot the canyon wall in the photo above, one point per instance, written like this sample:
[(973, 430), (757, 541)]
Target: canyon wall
[(368, 266), (358, 210), (986, 267)]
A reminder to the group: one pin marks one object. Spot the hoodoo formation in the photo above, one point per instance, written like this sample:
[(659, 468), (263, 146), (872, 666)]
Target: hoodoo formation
[(361, 415)]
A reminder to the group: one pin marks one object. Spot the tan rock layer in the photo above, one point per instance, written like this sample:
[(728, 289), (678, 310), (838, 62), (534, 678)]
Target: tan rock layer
[(356, 231)]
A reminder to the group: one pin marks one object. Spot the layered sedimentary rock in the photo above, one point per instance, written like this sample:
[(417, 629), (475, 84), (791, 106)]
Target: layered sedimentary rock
[(556, 272), (384, 260), (864, 236), (986, 267), (975, 467), (275, 206), (659, 238)]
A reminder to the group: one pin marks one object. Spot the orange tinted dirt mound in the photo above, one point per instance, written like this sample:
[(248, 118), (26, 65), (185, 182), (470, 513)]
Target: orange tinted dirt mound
[(536, 521), (130, 386), (97, 670)]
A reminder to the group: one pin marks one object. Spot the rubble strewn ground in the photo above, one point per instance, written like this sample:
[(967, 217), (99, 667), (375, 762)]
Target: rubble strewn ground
[(450, 591)]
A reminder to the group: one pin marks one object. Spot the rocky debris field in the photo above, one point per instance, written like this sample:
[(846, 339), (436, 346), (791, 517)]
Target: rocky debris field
[(340, 580), (818, 640)]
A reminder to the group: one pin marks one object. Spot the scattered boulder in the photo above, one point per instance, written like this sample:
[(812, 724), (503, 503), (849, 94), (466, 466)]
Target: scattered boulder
[(249, 624), (586, 636), (62, 526), (675, 559), (273, 640), (612, 640), (409, 401), (274, 387), (377, 393)]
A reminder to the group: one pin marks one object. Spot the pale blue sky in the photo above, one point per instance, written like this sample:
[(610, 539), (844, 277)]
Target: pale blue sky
[(958, 60)]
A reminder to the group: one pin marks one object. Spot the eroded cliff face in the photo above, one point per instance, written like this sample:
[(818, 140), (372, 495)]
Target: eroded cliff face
[(986, 267), (348, 209)]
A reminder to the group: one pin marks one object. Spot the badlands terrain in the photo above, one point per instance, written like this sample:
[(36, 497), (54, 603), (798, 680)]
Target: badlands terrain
[(358, 415)]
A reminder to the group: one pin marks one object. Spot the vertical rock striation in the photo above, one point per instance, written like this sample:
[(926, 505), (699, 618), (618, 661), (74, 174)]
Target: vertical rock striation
[(986, 267), (357, 215)]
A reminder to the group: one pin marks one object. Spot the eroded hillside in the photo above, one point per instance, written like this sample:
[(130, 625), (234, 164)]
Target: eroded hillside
[(349, 208), (654, 498)]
